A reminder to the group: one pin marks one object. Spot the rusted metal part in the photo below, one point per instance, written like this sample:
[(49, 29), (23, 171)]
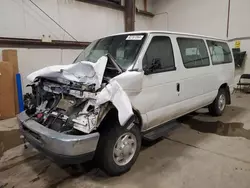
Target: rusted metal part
[(38, 43), (104, 3), (116, 6), (228, 17), (144, 13), (129, 15), (145, 5)]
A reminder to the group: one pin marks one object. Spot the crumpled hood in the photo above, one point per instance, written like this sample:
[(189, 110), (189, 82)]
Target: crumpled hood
[(85, 72), (91, 73)]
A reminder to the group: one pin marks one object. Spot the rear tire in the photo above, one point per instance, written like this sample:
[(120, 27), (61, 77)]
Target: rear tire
[(112, 142), (218, 106)]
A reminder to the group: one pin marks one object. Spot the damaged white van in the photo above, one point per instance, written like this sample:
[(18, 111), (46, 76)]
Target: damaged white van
[(123, 88)]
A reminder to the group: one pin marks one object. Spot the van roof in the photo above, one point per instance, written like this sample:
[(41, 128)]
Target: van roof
[(170, 32)]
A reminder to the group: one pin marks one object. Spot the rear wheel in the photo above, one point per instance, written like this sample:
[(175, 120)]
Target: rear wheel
[(118, 149), (219, 104)]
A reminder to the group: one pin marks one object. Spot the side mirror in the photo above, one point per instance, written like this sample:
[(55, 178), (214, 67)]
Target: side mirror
[(155, 64)]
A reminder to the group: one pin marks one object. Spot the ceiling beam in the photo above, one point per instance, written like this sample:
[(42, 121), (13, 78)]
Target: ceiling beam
[(38, 43), (108, 4), (129, 15)]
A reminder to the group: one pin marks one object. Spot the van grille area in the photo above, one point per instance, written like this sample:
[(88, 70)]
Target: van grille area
[(54, 123), (32, 133)]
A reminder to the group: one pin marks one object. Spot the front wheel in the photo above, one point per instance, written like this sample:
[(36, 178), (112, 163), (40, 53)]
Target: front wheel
[(219, 104), (118, 149)]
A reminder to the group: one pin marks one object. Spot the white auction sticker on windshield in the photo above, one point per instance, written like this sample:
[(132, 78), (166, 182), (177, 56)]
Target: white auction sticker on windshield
[(134, 37)]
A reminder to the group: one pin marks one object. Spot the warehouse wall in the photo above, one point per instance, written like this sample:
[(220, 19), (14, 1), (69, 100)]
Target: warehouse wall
[(30, 60), (194, 16), (140, 4), (142, 22), (85, 22), (239, 19), (208, 18), (240, 27)]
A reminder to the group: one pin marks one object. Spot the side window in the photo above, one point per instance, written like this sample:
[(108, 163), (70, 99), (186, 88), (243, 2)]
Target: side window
[(194, 52), (159, 55), (220, 52)]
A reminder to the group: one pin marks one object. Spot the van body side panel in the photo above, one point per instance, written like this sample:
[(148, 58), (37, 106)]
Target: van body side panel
[(159, 90), (194, 92), (159, 94), (224, 73), (181, 108), (198, 87)]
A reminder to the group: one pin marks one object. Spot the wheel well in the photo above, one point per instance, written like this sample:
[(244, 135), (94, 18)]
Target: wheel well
[(224, 85), (112, 115), (138, 118), (226, 88)]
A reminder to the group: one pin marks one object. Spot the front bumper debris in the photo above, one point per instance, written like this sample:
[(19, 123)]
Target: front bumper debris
[(60, 147)]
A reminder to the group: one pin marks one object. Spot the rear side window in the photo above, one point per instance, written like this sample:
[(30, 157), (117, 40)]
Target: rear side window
[(159, 55), (220, 52), (194, 52)]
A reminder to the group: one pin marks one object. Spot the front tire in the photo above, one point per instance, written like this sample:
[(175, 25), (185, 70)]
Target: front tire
[(218, 106), (118, 149)]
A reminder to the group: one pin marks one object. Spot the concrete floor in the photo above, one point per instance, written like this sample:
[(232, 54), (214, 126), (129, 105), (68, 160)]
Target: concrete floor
[(215, 154)]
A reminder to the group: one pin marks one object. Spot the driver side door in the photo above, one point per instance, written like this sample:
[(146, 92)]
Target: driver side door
[(160, 87)]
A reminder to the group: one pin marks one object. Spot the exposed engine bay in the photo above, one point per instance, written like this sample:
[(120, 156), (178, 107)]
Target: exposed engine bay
[(74, 99)]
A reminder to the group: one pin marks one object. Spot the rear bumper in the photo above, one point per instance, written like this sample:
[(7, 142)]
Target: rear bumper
[(70, 149)]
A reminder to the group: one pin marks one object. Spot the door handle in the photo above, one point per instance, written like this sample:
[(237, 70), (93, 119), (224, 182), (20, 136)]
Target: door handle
[(178, 87)]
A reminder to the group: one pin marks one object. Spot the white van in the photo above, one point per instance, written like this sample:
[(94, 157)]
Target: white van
[(121, 89)]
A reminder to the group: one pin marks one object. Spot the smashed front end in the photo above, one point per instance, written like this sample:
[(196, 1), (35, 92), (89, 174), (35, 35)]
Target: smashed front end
[(68, 105)]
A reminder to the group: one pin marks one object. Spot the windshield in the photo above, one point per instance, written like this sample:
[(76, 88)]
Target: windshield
[(123, 48)]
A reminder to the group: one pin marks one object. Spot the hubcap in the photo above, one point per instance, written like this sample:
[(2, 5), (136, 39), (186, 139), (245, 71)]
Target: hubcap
[(124, 149), (222, 102)]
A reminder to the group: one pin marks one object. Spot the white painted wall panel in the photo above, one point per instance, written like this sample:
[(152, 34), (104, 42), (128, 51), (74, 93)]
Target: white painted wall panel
[(140, 5), (160, 22), (143, 23), (12, 19), (37, 23), (85, 22), (30, 60), (195, 16), (68, 56), (239, 19), (208, 17)]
